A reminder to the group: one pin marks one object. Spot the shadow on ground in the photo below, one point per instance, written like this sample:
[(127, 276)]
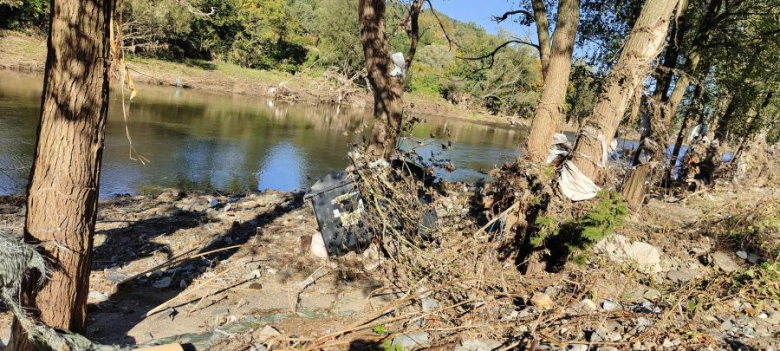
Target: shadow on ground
[(110, 321)]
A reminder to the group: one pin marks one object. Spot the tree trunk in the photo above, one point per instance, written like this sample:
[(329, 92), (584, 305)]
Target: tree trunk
[(63, 189), (388, 90), (695, 108), (550, 109), (542, 34), (663, 77), (642, 46), (634, 187)]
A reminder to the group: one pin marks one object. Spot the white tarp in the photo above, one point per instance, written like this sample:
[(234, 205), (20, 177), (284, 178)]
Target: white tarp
[(575, 185)]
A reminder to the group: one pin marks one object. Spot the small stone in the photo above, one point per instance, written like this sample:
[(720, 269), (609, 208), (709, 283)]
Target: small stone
[(542, 301), (753, 258), (679, 276), (255, 286), (726, 325), (723, 261), (607, 348), (408, 341), (577, 347), (163, 283), (253, 275), (258, 347), (742, 254), (116, 277), (213, 202), (97, 297), (267, 333), (610, 306), (668, 343), (182, 284), (587, 305), (317, 248), (272, 271), (652, 294)]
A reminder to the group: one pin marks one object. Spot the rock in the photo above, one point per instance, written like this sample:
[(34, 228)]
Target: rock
[(742, 254), (116, 277), (577, 347), (619, 248), (411, 340), (679, 276), (267, 333), (255, 286), (428, 304), (587, 305), (258, 347), (610, 306), (652, 294), (97, 297), (253, 274), (542, 301), (753, 258), (182, 284), (163, 283), (480, 345), (723, 261), (726, 325), (213, 202), (317, 248), (607, 348)]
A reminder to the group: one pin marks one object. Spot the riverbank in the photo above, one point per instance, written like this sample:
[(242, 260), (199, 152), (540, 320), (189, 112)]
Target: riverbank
[(20, 51), (239, 271)]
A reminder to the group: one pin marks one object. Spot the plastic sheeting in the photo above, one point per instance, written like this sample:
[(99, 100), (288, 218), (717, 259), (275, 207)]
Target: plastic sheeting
[(400, 65), (575, 185)]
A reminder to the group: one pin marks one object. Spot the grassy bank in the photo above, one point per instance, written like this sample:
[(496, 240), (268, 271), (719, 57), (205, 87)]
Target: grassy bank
[(28, 52)]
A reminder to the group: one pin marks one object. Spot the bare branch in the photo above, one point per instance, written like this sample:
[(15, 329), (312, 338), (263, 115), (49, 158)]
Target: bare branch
[(195, 11), (450, 41), (492, 55), (529, 16)]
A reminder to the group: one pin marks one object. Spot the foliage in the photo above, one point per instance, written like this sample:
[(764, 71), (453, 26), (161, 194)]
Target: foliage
[(20, 14)]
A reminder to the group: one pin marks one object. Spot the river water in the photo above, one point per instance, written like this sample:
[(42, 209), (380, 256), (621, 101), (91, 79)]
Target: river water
[(200, 141)]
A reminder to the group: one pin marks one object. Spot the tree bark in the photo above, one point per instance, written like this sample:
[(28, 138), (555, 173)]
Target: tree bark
[(542, 34), (64, 180), (388, 90), (550, 109), (644, 43), (663, 77)]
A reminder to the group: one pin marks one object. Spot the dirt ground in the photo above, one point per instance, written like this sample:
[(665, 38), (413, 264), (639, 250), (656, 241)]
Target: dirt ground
[(179, 266)]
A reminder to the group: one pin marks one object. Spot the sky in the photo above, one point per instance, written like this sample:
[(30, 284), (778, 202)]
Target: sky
[(480, 11)]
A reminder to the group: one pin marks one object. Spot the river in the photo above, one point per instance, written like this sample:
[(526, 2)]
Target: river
[(195, 140)]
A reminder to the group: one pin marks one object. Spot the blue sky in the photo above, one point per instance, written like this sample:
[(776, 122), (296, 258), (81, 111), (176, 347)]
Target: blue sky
[(480, 11)]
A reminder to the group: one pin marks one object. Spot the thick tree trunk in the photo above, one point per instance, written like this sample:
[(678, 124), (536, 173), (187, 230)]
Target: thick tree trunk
[(550, 109), (542, 34), (63, 188), (634, 187), (388, 90), (663, 77), (642, 46)]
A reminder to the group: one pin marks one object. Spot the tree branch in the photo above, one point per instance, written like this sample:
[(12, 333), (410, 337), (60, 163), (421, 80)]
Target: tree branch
[(528, 15), (492, 55), (447, 36)]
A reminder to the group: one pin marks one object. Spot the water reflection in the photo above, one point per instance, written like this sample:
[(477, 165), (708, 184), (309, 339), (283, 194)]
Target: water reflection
[(204, 141)]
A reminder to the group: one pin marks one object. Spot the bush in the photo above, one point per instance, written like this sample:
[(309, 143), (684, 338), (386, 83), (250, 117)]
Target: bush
[(16, 14)]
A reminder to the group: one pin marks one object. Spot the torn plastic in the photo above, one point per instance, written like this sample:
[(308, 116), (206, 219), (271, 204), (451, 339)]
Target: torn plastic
[(400, 65), (561, 146), (575, 185)]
